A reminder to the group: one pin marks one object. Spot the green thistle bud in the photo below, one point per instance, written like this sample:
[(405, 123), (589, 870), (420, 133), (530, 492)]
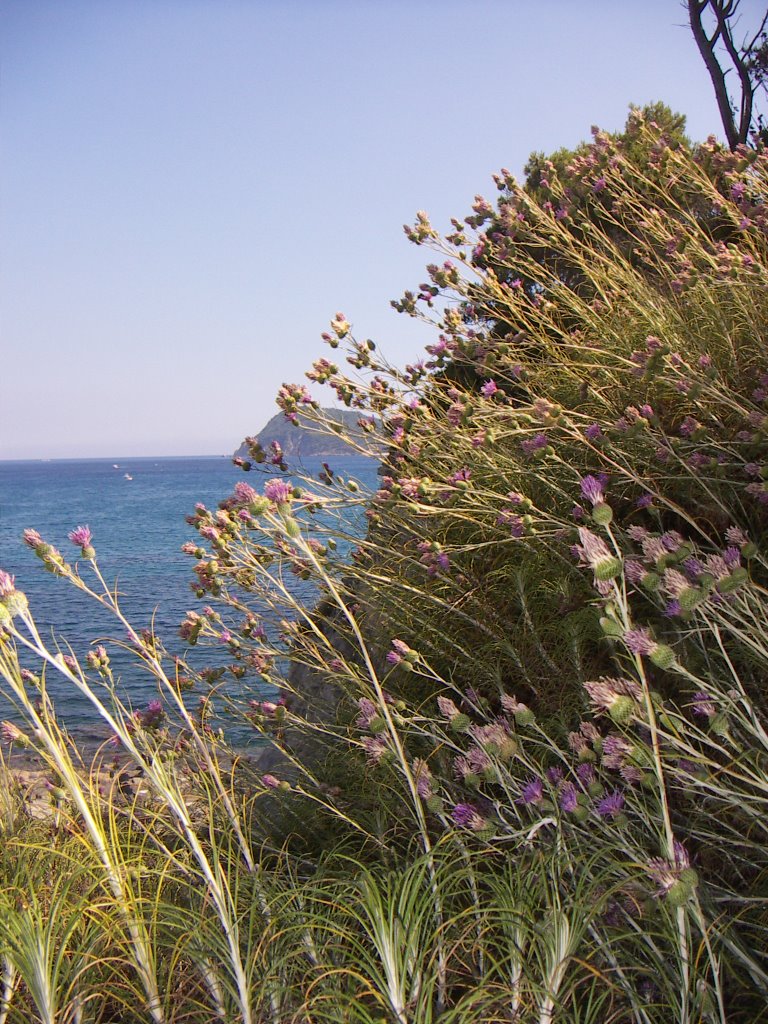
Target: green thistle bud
[(602, 514), (490, 774), (690, 877), (607, 569), (738, 578), (16, 603), (650, 581), (435, 804), (460, 723), (689, 597), (596, 789), (525, 717), (719, 724), (749, 550), (292, 528), (610, 627), (258, 505), (487, 832), (377, 725), (622, 710), (508, 749), (580, 813), (678, 894), (662, 656)]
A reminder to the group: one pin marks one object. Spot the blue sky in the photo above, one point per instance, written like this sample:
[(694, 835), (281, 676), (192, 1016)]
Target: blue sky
[(192, 188)]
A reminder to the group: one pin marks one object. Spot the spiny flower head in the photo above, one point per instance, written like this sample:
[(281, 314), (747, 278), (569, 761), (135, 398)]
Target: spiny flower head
[(81, 537), (278, 491), (468, 816), (618, 697), (611, 805), (7, 582), (594, 552), (532, 792), (676, 879)]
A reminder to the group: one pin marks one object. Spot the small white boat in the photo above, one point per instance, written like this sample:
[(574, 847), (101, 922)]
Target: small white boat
[(128, 476), (115, 466)]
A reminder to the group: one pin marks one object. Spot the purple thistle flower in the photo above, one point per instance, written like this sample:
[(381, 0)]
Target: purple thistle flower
[(447, 708), (368, 711), (592, 490), (611, 806), (568, 798), (671, 540), (464, 814), (534, 444), (244, 492), (615, 751), (640, 641), (7, 584), (585, 773), (375, 748), (732, 556), (532, 792), (278, 491), (593, 432), (634, 571), (489, 388), (736, 536), (644, 501), (33, 539), (667, 873), (81, 536), (508, 518), (594, 552), (703, 705), (693, 567), (423, 778)]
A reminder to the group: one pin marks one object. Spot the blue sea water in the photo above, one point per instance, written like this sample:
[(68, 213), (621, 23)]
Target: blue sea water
[(136, 510)]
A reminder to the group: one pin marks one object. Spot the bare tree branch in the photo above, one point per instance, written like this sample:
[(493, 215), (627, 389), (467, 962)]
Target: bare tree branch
[(747, 60)]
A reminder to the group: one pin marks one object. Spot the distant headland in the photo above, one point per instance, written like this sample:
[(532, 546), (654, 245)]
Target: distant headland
[(298, 443)]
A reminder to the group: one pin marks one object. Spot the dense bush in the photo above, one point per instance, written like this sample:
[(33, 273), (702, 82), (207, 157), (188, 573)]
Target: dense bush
[(544, 770)]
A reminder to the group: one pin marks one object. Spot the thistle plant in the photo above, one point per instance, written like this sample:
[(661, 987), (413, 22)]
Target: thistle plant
[(511, 759)]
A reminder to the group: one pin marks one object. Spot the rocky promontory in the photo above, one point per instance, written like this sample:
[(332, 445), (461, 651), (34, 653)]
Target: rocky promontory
[(304, 440)]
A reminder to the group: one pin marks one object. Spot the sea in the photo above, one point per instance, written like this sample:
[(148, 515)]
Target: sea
[(136, 509)]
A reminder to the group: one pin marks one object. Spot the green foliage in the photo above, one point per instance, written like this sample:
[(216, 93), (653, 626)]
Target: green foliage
[(518, 759)]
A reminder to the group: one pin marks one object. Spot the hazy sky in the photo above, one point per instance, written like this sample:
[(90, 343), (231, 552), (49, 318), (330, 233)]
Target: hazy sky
[(191, 188)]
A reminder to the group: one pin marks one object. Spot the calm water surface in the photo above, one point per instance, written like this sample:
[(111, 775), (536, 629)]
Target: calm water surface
[(138, 526)]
